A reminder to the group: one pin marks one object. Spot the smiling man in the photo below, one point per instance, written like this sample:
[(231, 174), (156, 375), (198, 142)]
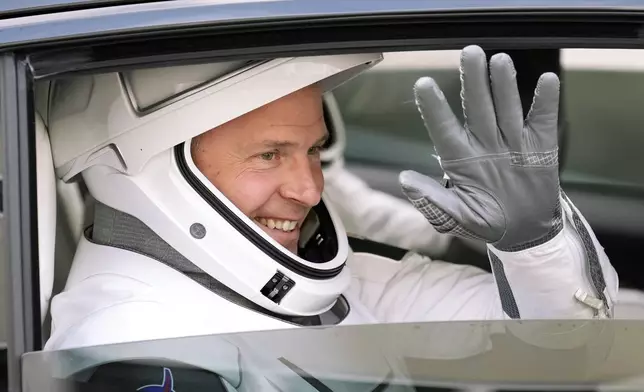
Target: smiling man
[(267, 162), (210, 214)]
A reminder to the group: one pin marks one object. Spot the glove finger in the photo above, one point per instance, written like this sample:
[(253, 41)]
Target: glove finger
[(446, 132), (477, 99), (507, 100), (425, 192), (543, 115)]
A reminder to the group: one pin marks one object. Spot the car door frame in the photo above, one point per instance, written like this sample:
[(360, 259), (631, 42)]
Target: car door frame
[(38, 53), (19, 222)]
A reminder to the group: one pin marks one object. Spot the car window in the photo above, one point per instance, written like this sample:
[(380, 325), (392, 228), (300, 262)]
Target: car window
[(385, 134)]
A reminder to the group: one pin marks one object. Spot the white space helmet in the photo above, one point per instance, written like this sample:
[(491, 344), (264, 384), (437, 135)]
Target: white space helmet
[(129, 135)]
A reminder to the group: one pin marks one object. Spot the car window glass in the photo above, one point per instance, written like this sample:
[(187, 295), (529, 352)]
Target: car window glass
[(386, 134), (457, 356)]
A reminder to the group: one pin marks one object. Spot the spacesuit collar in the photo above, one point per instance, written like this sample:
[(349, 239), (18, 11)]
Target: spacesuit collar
[(120, 230)]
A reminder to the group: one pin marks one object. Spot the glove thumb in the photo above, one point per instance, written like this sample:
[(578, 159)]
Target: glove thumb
[(424, 191)]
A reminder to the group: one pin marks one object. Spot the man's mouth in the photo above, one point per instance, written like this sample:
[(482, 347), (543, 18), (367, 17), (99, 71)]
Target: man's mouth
[(278, 224)]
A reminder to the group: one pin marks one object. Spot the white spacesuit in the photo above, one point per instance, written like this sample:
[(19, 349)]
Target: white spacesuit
[(169, 255)]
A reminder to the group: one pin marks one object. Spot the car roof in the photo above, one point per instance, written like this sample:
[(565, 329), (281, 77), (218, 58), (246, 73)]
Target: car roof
[(28, 21), (10, 8), (13, 8)]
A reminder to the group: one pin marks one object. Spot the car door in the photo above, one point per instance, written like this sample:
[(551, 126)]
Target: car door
[(74, 40)]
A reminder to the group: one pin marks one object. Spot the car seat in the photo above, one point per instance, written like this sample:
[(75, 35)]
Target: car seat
[(60, 223), (46, 196)]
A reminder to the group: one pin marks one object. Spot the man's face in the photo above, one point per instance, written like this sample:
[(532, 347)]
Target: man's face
[(267, 162)]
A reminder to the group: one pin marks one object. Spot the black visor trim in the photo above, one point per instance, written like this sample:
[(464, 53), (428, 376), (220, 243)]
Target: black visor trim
[(247, 231)]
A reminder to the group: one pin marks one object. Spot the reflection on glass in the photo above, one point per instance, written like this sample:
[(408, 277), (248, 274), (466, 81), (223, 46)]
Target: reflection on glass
[(550, 355)]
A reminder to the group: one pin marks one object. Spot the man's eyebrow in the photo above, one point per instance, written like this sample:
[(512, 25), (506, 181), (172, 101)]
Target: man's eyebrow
[(276, 143), (284, 143)]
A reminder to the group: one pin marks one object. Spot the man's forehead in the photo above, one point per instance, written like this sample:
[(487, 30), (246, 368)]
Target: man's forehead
[(304, 121), (301, 110), (278, 142), (288, 134)]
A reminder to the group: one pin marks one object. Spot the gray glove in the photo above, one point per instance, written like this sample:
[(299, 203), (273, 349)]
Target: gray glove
[(503, 183)]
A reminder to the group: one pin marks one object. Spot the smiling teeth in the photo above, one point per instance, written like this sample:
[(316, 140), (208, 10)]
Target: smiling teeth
[(284, 225)]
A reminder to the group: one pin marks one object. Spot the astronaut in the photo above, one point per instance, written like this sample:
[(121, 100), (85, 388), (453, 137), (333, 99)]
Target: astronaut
[(211, 219)]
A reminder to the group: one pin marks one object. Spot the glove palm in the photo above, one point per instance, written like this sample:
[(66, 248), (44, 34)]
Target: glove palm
[(502, 169)]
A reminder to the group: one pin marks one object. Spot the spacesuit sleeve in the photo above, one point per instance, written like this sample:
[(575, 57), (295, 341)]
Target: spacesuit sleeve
[(381, 217), (569, 276), (553, 280)]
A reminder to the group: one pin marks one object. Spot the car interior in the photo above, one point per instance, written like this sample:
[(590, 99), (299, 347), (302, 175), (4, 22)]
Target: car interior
[(600, 150)]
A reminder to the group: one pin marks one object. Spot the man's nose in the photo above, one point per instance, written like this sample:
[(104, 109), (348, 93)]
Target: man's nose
[(303, 184)]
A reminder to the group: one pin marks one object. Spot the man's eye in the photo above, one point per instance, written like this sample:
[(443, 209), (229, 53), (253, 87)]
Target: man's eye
[(314, 150), (268, 156)]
